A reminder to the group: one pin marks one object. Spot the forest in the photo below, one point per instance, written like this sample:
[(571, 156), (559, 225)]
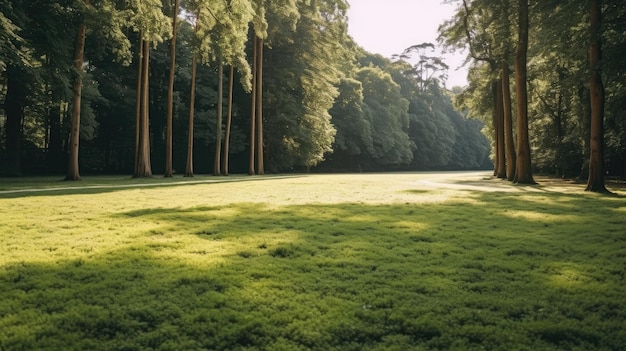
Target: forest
[(170, 87)]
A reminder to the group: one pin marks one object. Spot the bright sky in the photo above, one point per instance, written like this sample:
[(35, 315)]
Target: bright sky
[(390, 26)]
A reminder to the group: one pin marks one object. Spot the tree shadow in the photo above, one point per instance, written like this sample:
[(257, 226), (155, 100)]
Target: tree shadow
[(499, 271)]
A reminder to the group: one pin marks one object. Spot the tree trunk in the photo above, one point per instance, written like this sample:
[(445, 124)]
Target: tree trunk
[(508, 123), (229, 118), (14, 108), (259, 109), (523, 174), (251, 163), (143, 167), (169, 171), (499, 129), (77, 88), (595, 182), (138, 104), (189, 167), (218, 125), (192, 103)]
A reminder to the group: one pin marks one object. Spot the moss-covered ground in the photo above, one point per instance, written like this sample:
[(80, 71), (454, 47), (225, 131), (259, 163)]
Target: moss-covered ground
[(412, 261)]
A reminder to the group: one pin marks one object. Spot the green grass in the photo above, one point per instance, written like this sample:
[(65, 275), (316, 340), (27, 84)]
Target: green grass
[(320, 262)]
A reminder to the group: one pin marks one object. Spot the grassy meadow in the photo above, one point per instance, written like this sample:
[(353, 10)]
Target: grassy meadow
[(409, 261)]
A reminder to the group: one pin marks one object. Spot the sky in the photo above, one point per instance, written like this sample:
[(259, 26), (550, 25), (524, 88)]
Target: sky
[(387, 27)]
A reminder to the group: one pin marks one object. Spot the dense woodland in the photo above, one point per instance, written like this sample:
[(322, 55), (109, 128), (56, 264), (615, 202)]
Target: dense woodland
[(169, 87)]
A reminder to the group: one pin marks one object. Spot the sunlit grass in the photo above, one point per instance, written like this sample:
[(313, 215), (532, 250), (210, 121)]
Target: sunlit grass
[(312, 262)]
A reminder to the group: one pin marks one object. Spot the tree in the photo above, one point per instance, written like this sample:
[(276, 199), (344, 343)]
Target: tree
[(217, 166), (192, 102), (595, 181), (170, 95), (523, 169), (153, 26), (229, 119), (73, 170)]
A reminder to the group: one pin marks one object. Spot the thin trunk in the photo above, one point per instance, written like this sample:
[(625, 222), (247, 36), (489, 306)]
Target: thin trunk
[(218, 134), (138, 105), (499, 129), (229, 118), (169, 171), (259, 109), (192, 103), (523, 174), (253, 109), (595, 182), (77, 88), (189, 168), (143, 167), (508, 123)]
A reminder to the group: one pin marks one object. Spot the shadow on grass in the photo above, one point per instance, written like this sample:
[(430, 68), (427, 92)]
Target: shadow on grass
[(498, 272), (101, 185)]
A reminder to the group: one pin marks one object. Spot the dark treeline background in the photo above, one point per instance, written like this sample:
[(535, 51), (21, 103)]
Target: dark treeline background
[(327, 105)]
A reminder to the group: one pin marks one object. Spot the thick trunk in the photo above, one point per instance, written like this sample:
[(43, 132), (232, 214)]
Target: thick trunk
[(77, 88), (217, 165), (595, 182), (523, 171), (259, 109), (508, 123), (169, 171), (143, 167), (14, 108), (499, 129), (229, 118), (251, 163)]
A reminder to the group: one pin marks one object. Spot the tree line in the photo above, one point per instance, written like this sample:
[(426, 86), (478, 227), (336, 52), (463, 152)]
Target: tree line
[(548, 78), (152, 86)]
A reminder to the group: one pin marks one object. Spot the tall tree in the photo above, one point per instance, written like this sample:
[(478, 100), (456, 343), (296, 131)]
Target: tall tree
[(259, 107), (508, 121), (77, 88), (595, 181), (217, 166), (192, 102), (170, 95), (523, 171), (153, 26), (229, 119)]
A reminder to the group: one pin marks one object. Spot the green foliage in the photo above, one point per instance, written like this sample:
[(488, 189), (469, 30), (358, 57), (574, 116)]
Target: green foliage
[(348, 262)]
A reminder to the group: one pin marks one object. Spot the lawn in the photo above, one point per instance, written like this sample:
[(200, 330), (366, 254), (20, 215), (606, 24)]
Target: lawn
[(409, 261)]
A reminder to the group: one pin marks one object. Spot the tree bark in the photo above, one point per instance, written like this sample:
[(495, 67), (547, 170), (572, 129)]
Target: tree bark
[(169, 171), (259, 109), (499, 129), (138, 105), (189, 167), (143, 167), (229, 118), (508, 122), (73, 172), (523, 171), (595, 182), (218, 125), (251, 163)]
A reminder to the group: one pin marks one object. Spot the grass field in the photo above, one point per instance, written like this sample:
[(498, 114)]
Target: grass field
[(410, 261)]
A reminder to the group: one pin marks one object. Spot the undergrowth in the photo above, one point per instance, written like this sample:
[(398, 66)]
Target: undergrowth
[(181, 268)]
